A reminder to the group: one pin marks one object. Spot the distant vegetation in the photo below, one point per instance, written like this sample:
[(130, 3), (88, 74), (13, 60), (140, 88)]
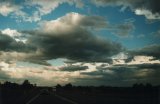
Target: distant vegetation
[(137, 94), (26, 84)]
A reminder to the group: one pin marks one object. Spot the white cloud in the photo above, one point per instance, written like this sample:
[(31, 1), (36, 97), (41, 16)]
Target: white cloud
[(42, 7), (143, 60), (148, 14), (14, 34), (121, 56), (45, 75), (47, 6), (39, 75), (6, 8), (71, 21), (150, 8), (10, 32)]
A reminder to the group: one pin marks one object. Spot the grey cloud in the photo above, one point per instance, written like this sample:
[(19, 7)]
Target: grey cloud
[(36, 60), (123, 30), (138, 73), (66, 37), (79, 45), (7, 43), (71, 68), (149, 8), (11, 50), (151, 50), (94, 21), (126, 75), (77, 19), (3, 76), (149, 66)]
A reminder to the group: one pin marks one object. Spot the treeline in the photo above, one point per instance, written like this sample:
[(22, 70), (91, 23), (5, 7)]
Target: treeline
[(25, 85), (137, 87)]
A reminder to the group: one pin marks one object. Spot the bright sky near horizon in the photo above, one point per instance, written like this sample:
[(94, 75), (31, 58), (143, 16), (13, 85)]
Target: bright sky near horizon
[(84, 42)]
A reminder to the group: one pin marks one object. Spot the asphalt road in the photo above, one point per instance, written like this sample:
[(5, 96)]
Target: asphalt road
[(49, 98)]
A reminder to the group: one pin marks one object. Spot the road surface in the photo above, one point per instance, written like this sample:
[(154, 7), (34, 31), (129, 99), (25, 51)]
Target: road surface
[(46, 97)]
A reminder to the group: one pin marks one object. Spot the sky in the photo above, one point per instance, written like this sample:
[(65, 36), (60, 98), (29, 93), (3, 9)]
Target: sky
[(83, 42)]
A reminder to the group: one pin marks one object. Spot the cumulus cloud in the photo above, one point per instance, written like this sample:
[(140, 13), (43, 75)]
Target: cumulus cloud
[(150, 8), (67, 37), (72, 21)]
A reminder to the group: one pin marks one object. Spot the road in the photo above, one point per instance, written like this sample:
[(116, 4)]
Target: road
[(46, 97)]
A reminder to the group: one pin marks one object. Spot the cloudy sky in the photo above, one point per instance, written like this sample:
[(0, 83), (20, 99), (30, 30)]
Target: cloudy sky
[(85, 42)]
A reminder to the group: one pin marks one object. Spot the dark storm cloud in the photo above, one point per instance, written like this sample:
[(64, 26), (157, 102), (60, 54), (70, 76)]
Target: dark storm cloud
[(7, 43), (149, 66), (154, 66), (138, 73), (12, 50), (149, 8), (68, 37), (78, 45), (72, 68), (152, 50)]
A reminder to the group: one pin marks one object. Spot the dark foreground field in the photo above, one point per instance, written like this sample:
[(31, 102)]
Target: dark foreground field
[(78, 95)]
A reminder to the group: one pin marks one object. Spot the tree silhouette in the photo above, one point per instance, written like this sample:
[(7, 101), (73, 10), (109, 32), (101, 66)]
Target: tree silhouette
[(58, 86), (68, 86), (26, 84)]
